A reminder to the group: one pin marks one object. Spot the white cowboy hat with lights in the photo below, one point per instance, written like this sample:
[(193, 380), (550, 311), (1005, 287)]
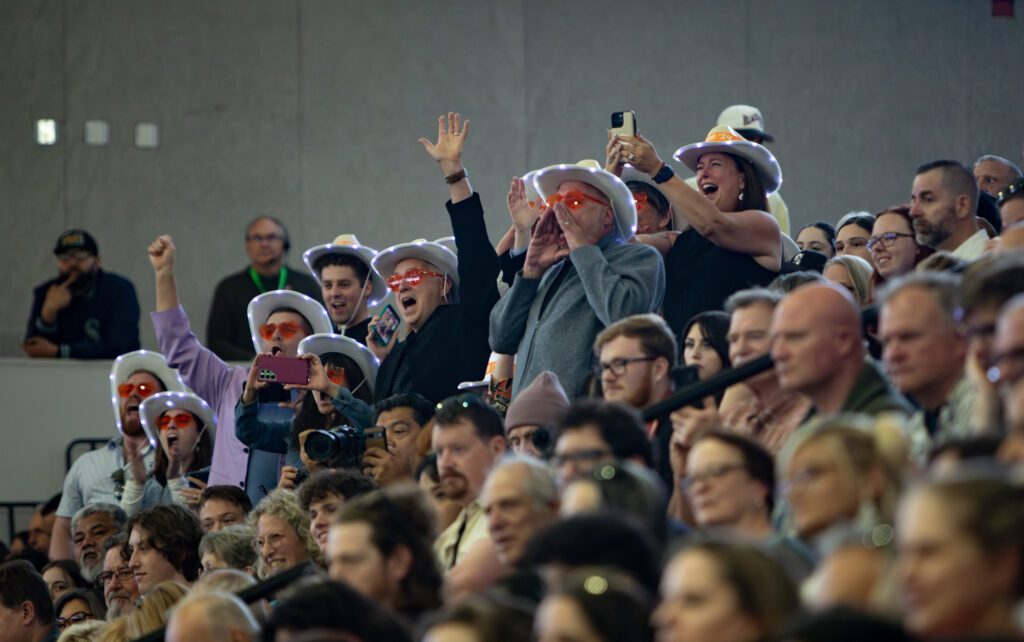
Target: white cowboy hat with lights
[(262, 306), (546, 182), (154, 407), (321, 344), (444, 259), (131, 362), (348, 244), (448, 242), (725, 140)]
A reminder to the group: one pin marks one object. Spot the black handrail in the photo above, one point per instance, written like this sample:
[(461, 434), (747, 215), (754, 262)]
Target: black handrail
[(10, 507), (92, 442)]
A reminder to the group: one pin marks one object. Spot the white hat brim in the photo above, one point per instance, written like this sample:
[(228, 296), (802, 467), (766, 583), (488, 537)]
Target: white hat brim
[(445, 260), (321, 344), (158, 404), (131, 362), (263, 305), (547, 181), (758, 155), (363, 253), (448, 242)]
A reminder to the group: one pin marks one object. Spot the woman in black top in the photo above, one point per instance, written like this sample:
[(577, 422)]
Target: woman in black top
[(727, 240)]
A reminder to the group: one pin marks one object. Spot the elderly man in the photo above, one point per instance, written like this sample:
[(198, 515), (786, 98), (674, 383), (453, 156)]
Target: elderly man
[(84, 312), (90, 527), (944, 207), (819, 351), (1011, 204), (117, 579), (924, 350), (212, 616), (581, 275), (520, 498), (995, 173)]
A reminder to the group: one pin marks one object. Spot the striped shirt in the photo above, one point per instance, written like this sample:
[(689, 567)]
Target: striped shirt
[(98, 476)]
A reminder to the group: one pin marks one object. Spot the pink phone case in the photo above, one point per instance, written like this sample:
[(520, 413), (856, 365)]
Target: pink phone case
[(282, 369)]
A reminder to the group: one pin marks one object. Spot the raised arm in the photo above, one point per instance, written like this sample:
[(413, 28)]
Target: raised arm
[(447, 151)]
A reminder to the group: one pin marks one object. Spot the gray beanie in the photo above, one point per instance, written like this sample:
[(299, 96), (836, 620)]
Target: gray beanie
[(542, 403)]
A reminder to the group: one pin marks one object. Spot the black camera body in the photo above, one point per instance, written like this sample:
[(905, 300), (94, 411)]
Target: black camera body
[(339, 447)]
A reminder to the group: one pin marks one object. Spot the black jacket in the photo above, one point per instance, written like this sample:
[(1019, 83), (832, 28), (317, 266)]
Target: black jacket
[(452, 346)]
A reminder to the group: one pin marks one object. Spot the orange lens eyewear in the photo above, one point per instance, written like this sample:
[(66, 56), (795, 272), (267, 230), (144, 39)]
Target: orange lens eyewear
[(337, 375), (288, 329), (144, 390), (573, 199), (413, 277), (180, 421), (640, 198)]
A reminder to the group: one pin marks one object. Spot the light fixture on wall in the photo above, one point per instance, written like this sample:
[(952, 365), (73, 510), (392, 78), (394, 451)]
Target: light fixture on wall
[(46, 131), (97, 132), (147, 135)]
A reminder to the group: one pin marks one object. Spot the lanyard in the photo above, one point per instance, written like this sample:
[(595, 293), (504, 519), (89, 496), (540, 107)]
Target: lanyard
[(282, 276)]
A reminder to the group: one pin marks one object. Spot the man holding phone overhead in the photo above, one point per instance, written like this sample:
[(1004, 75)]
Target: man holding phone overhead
[(445, 300)]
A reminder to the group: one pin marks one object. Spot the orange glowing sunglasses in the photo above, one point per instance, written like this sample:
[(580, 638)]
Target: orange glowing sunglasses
[(573, 199), (144, 390), (412, 276), (337, 375), (288, 329), (640, 198), (181, 421)]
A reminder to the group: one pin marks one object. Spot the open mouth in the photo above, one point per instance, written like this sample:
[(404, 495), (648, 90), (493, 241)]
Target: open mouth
[(131, 409), (276, 350), (407, 301), (708, 188), (172, 441), (338, 306)]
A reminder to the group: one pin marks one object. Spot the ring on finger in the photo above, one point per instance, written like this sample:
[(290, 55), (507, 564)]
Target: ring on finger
[(631, 156)]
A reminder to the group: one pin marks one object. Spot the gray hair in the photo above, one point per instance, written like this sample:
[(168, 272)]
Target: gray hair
[(540, 484), (233, 545), (222, 614), (115, 512), (1017, 174), (943, 286), (752, 296), (223, 580)]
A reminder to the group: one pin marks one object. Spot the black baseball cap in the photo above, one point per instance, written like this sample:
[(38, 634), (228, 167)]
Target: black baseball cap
[(76, 239), (806, 260)]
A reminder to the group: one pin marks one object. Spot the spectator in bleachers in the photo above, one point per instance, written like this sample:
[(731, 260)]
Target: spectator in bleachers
[(444, 299), (26, 609), (334, 610), (819, 237), (429, 481), (600, 605), (580, 276), (348, 283), (894, 250), (381, 545), (852, 273), (78, 605), (42, 523), (152, 613), (99, 476), (90, 527), (482, 617), (229, 547), (596, 432), (63, 576), (324, 494), (283, 538), (1011, 204), (704, 343), (533, 415), (279, 320), (164, 543), (519, 498), (120, 592), (84, 312), (852, 233), (222, 506), (403, 417), (212, 617), (267, 244), (994, 173), (621, 488), (635, 357), (944, 204)]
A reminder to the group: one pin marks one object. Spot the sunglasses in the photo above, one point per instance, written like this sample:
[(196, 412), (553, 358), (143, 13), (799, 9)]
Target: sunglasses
[(640, 198), (412, 276), (180, 421), (144, 390), (573, 199), (288, 329), (337, 375)]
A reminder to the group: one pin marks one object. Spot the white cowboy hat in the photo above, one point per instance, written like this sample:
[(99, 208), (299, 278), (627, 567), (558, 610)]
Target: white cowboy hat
[(132, 362), (158, 404), (725, 140), (448, 242), (349, 244), (746, 120), (445, 260), (321, 344), (547, 181), (263, 305)]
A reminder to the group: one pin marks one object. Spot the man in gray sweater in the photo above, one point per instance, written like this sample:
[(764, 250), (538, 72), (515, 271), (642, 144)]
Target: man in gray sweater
[(580, 276)]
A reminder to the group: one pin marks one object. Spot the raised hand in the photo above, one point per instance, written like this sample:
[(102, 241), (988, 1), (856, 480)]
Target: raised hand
[(58, 297), (519, 209), (613, 158), (637, 151), (547, 246), (377, 349), (161, 253), (252, 383), (451, 137), (318, 379)]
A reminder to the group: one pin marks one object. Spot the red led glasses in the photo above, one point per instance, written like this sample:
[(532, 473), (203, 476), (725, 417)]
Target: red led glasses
[(144, 390), (573, 199), (412, 276), (640, 198), (184, 420), (288, 329), (337, 375)]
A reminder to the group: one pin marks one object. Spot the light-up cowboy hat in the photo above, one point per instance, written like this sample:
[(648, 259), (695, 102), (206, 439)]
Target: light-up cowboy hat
[(262, 306), (155, 406), (725, 140), (145, 360), (546, 181), (435, 253), (349, 244), (321, 344)]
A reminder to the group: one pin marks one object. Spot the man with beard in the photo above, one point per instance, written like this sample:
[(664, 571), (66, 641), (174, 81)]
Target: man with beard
[(83, 313), (944, 207), (348, 284), (99, 476), (90, 527), (117, 579)]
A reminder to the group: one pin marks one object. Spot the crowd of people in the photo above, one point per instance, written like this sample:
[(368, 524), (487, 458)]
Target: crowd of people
[(648, 411)]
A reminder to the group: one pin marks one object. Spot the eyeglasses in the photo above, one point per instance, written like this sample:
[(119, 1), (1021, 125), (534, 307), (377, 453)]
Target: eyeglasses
[(288, 329), (573, 199), (77, 255), (336, 374), (580, 457), (74, 618), (273, 540), (123, 575), (412, 276), (144, 390), (805, 476), (618, 366), (259, 238), (885, 240), (705, 476), (181, 421), (640, 198), (1007, 367)]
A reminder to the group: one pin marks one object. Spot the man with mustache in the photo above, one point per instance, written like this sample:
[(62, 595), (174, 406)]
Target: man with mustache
[(90, 527), (120, 591), (84, 312), (944, 207)]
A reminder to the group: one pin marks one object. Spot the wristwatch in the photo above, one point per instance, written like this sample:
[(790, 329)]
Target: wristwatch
[(663, 174)]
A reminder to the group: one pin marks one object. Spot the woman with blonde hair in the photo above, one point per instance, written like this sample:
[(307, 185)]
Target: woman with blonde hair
[(283, 538), (153, 612), (853, 273)]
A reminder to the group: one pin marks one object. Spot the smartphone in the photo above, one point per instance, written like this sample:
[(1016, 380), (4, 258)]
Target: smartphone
[(201, 475), (623, 123), (282, 369), (375, 438), (386, 326)]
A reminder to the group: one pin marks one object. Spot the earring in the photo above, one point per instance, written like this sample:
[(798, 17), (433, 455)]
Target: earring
[(741, 195)]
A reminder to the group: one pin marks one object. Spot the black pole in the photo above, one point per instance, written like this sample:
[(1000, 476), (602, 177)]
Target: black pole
[(709, 387)]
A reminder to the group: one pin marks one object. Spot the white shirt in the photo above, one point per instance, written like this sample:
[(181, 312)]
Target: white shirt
[(973, 247)]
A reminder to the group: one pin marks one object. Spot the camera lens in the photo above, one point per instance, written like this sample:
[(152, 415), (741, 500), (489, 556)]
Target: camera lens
[(617, 119)]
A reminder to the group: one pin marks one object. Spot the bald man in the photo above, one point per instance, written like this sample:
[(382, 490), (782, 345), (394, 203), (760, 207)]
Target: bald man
[(212, 617), (819, 351)]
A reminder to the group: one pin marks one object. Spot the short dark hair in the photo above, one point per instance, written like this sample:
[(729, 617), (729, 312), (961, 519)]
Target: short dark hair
[(51, 505), (491, 616), (620, 426), (71, 569), (20, 583), (319, 604), (654, 197), (862, 220), (361, 269), (475, 410), (117, 540), (284, 308), (174, 532), (421, 407), (226, 493), (827, 228), (757, 460), (427, 467), (89, 596), (956, 177), (343, 481)]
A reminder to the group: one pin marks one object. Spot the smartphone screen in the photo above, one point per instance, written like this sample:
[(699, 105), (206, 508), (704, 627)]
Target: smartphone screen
[(386, 326)]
